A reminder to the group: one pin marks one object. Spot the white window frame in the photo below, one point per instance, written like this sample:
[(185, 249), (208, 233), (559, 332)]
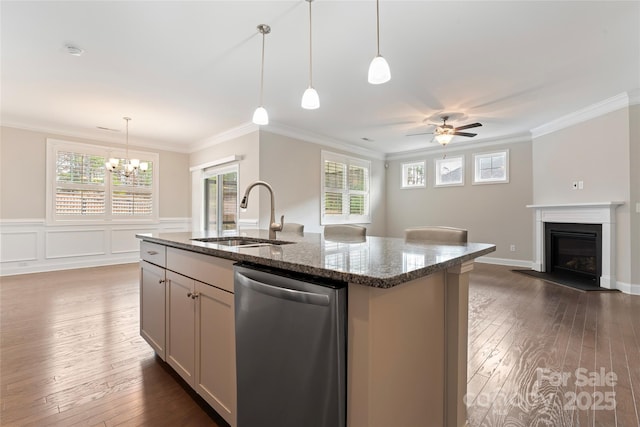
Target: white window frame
[(405, 174), (54, 146), (476, 166), (437, 181), (344, 218), (219, 171)]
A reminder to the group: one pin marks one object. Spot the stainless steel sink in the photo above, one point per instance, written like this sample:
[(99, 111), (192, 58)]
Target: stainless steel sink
[(241, 242)]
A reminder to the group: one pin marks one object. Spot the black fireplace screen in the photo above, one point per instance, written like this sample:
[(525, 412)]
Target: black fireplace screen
[(574, 249)]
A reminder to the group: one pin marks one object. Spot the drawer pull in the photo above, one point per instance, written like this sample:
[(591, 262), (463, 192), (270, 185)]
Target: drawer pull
[(152, 252)]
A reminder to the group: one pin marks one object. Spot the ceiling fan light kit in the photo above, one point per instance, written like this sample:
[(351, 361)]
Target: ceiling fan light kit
[(444, 133)]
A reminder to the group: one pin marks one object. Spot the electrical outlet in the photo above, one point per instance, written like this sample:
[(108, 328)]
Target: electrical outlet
[(512, 248), (574, 185)]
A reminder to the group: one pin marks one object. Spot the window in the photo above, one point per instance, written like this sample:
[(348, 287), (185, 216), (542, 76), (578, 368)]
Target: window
[(79, 188), (491, 167), (449, 171), (345, 189), (413, 175), (221, 199)]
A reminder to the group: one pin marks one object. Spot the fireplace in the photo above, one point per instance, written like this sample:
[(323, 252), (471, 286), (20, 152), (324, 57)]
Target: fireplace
[(602, 214), (574, 251)]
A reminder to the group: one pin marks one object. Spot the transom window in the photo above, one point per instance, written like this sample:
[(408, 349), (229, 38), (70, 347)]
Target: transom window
[(491, 167), (345, 189), (79, 188), (413, 175)]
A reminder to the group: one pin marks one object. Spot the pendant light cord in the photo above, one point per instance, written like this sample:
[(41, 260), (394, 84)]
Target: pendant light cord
[(310, 48), (262, 70), (127, 120), (378, 25)]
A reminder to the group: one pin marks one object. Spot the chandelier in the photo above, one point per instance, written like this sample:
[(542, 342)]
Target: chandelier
[(129, 167)]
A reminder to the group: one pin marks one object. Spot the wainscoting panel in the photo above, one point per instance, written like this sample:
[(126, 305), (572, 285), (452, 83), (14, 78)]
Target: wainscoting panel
[(32, 246), (74, 243), (18, 246), (123, 240)]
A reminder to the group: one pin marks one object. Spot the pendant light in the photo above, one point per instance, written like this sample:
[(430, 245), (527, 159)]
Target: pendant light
[(310, 99), (260, 116), (379, 71)]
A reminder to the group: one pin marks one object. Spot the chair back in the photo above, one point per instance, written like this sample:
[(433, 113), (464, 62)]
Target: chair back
[(345, 233), (292, 227), (436, 234)]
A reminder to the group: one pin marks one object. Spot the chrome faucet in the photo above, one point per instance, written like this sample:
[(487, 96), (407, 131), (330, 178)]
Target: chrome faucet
[(273, 225)]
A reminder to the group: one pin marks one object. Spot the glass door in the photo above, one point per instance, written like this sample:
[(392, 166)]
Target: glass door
[(221, 200)]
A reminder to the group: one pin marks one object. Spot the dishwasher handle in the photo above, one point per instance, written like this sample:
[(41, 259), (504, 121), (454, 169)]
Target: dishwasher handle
[(283, 293)]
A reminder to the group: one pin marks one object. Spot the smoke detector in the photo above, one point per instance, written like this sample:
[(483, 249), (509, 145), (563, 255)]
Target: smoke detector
[(73, 50)]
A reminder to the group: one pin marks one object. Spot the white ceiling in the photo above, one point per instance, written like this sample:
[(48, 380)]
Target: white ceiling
[(189, 71)]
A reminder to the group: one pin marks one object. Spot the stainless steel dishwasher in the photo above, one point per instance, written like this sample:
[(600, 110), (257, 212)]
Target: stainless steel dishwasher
[(290, 349)]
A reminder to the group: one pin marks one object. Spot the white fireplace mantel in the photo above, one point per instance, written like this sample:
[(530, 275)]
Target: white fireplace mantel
[(603, 213)]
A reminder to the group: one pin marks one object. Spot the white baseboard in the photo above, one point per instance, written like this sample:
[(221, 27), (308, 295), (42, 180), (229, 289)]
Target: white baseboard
[(28, 267), (628, 288), (505, 261)]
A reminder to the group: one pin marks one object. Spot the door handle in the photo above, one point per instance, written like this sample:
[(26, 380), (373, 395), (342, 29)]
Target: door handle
[(283, 293)]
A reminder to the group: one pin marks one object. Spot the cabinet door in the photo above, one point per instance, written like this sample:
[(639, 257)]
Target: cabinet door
[(216, 350), (181, 325), (152, 306)]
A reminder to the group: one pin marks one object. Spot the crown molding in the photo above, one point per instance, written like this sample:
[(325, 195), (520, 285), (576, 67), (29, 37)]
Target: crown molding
[(634, 97), (236, 132), (455, 147), (327, 141), (94, 135), (588, 113)]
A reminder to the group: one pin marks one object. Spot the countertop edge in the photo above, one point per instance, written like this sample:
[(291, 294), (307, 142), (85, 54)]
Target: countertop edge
[(359, 279)]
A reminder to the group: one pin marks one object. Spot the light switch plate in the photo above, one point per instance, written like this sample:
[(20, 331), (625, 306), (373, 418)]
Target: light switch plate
[(637, 207)]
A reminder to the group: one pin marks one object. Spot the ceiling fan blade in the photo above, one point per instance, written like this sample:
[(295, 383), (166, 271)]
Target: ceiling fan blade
[(469, 126), (423, 133), (465, 134)]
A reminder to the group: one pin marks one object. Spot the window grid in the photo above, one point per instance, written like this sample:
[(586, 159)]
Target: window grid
[(80, 188), (345, 189), (491, 167)]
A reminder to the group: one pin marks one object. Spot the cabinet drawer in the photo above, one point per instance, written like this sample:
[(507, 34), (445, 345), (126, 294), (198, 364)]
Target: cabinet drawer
[(153, 253), (204, 268)]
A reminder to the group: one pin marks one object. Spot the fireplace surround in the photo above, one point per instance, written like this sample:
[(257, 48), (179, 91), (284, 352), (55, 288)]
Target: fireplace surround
[(602, 214)]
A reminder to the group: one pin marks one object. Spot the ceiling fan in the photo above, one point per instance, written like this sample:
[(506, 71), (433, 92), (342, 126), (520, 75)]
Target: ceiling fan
[(444, 133)]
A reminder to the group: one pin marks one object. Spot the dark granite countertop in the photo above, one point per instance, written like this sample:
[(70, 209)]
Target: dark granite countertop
[(381, 262)]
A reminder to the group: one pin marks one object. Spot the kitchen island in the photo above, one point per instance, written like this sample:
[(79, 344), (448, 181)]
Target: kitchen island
[(406, 315)]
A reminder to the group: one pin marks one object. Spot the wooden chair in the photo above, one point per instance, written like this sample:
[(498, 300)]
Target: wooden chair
[(345, 233), (292, 227), (436, 234)]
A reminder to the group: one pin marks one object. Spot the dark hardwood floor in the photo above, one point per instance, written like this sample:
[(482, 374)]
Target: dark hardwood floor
[(71, 354)]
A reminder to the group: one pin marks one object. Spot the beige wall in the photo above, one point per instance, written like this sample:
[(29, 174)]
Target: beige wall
[(598, 153), (293, 168), (247, 147), (22, 150), (493, 213), (634, 167)]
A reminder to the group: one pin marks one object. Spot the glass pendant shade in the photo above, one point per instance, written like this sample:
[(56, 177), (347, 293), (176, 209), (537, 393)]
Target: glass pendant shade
[(310, 99), (379, 71), (260, 116), (444, 138)]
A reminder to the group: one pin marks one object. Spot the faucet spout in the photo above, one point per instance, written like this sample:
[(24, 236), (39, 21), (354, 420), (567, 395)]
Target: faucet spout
[(273, 225)]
